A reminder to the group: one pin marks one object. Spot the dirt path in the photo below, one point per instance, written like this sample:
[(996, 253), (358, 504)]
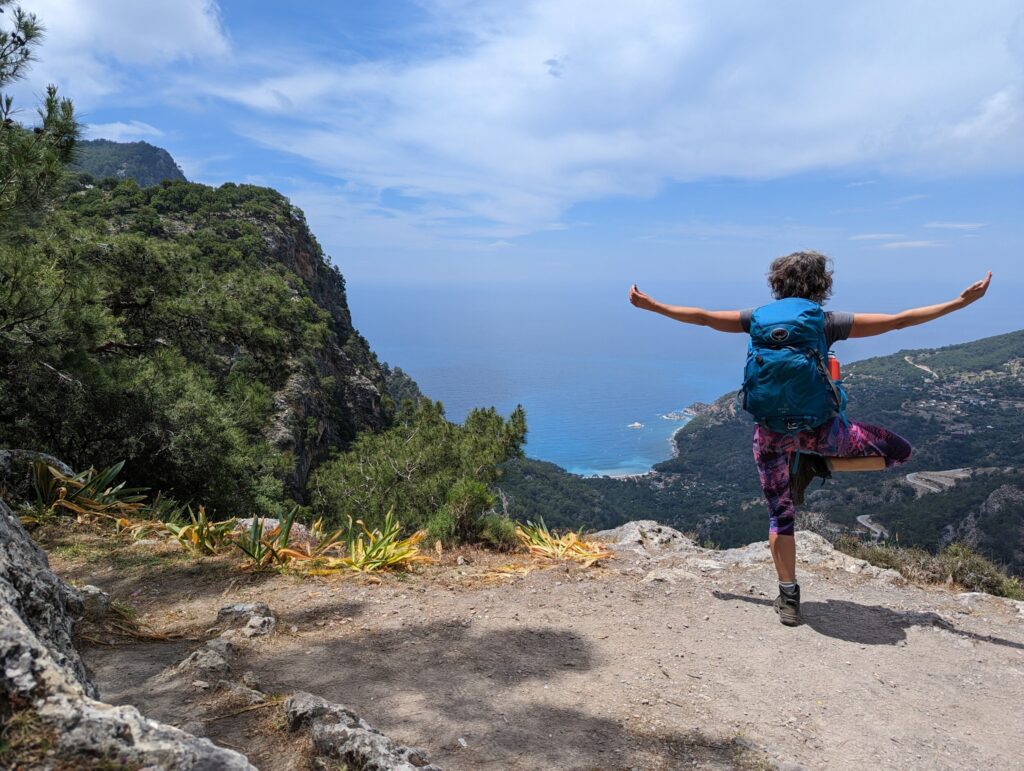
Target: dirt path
[(922, 367), (664, 663)]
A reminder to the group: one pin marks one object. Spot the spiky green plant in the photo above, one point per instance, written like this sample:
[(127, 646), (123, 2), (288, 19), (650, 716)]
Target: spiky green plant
[(166, 509), (201, 535), (88, 494), (272, 548), (322, 544), (372, 550)]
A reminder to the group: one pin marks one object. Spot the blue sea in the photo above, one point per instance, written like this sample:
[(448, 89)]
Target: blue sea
[(586, 365), (584, 370)]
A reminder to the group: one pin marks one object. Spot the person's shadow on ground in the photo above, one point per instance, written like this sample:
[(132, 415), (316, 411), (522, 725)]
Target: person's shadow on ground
[(867, 624)]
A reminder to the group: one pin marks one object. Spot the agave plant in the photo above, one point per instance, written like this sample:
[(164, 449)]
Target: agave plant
[(320, 545), (200, 535), (541, 542), (252, 543), (377, 549), (88, 494), (265, 549), (166, 509)]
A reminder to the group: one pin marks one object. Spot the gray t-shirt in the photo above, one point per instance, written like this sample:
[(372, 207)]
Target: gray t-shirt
[(837, 324)]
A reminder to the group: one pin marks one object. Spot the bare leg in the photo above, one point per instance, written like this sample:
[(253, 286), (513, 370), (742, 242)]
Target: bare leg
[(783, 548)]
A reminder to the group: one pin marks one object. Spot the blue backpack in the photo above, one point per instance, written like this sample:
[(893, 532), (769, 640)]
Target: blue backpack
[(786, 385)]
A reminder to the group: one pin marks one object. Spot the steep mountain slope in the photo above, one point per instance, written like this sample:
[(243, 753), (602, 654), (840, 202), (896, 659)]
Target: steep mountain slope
[(198, 333), (141, 161), (960, 406)]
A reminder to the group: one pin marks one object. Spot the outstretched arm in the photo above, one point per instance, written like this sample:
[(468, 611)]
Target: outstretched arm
[(868, 324), (723, 321)]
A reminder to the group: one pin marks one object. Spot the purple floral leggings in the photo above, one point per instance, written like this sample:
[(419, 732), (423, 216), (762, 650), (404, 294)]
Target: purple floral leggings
[(773, 454)]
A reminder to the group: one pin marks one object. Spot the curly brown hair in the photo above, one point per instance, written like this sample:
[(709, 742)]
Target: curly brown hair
[(801, 274)]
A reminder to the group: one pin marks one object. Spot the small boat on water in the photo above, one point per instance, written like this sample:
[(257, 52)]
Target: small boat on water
[(635, 425)]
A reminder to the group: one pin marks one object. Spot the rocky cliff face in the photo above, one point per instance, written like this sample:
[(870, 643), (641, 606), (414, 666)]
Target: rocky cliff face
[(42, 676), (324, 406)]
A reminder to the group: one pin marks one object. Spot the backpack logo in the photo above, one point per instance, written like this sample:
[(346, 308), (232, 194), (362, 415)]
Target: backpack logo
[(780, 335)]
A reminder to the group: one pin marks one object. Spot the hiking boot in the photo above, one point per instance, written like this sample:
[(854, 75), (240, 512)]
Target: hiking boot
[(788, 607)]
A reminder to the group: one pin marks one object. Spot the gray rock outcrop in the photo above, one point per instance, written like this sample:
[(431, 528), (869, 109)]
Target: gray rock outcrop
[(42, 673), (255, 619), (646, 537), (341, 736), (653, 542)]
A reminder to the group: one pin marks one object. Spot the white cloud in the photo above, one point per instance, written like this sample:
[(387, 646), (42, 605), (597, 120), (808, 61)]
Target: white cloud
[(912, 244), (93, 47), (556, 102), (874, 236), (956, 225), (902, 200), (119, 131)]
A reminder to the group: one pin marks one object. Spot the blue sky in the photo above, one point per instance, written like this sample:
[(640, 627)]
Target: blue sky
[(567, 142)]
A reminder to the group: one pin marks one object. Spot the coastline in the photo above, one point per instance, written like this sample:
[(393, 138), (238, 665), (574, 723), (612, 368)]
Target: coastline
[(686, 415)]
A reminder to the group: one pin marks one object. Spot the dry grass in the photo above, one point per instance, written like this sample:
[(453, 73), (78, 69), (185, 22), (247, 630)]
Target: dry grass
[(541, 542), (955, 564)]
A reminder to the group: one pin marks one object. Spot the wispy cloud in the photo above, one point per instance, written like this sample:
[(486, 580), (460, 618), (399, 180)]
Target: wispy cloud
[(956, 225), (519, 111), (875, 236), (119, 131), (907, 199), (547, 104), (912, 244)]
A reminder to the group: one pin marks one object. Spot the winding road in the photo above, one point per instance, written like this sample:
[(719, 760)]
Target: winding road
[(925, 482), (877, 530)]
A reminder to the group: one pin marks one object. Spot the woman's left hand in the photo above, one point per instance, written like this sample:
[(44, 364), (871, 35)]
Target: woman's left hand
[(639, 299)]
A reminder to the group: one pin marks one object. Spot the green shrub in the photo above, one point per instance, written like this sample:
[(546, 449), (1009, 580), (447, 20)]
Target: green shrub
[(441, 526), (498, 532), (435, 472)]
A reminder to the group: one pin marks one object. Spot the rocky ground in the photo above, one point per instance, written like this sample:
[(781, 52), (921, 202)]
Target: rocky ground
[(666, 656)]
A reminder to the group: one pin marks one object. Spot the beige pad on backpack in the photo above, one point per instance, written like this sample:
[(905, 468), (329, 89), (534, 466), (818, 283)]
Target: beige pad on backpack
[(867, 463)]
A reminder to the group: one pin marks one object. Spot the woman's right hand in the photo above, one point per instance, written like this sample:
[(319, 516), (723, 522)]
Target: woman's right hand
[(976, 290)]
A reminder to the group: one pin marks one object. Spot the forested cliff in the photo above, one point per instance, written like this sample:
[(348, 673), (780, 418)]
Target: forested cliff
[(198, 333)]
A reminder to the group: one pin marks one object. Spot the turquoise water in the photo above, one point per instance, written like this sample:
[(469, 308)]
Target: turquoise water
[(579, 408), (583, 375), (585, 364)]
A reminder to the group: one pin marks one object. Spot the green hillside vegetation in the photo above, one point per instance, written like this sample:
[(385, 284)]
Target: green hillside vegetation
[(434, 474), (159, 328), (201, 335), (140, 161), (969, 413)]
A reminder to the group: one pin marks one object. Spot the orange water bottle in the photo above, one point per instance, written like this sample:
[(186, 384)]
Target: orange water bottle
[(833, 366)]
